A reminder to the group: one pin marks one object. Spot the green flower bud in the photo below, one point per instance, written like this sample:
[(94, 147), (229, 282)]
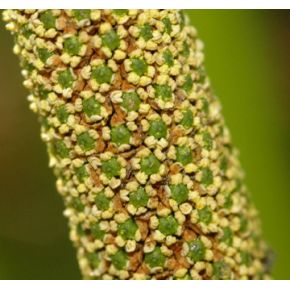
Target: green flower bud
[(81, 14), (139, 66), (72, 45), (60, 149), (101, 201), (47, 19), (128, 229), (205, 215), (111, 167), (158, 129), (179, 192), (150, 164), (184, 155), (97, 232), (131, 101), (120, 260), (146, 32), (164, 92), (168, 225), (85, 141), (62, 114), (111, 40), (139, 198), (155, 259), (65, 79), (102, 74), (120, 135), (81, 173), (44, 54), (168, 57), (187, 120), (196, 250)]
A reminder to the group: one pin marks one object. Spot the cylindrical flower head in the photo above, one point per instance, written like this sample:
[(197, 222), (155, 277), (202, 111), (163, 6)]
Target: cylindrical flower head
[(151, 183)]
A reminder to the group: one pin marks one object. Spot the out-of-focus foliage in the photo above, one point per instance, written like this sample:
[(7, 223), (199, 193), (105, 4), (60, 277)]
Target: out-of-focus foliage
[(248, 63)]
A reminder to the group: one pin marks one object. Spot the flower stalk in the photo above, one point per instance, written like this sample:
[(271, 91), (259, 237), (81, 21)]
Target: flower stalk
[(151, 183)]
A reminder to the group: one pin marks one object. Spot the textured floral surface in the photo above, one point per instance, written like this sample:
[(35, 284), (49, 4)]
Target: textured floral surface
[(151, 184)]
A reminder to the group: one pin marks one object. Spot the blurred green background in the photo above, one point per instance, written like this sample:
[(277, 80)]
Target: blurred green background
[(248, 61)]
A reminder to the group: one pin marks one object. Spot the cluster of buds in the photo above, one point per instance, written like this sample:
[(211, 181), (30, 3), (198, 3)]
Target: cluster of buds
[(151, 184)]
